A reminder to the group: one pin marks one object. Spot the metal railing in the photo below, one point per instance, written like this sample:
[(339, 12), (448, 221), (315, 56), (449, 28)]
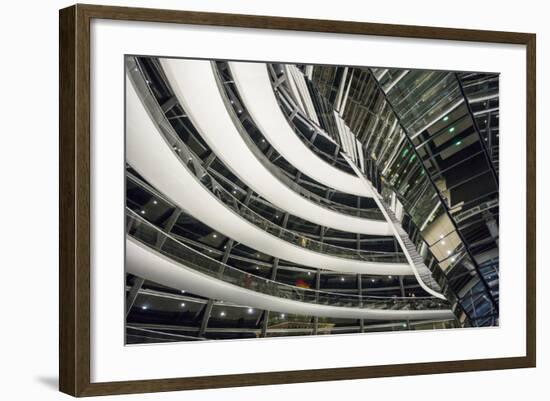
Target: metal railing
[(149, 235)]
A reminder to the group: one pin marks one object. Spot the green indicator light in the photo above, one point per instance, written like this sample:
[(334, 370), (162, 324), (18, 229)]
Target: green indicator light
[(451, 129)]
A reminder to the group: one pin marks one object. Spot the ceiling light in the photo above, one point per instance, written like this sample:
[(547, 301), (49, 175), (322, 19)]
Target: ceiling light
[(144, 307), (222, 313), (389, 276), (442, 242), (458, 143), (250, 310), (373, 280), (441, 236), (215, 235), (282, 315), (183, 291), (448, 252), (183, 304), (445, 118), (451, 129), (155, 202), (342, 279), (143, 212)]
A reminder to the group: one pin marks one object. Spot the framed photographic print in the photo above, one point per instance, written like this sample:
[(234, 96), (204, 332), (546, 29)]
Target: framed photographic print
[(250, 200)]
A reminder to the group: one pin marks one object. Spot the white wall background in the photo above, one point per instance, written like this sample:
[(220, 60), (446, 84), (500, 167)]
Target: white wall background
[(28, 198)]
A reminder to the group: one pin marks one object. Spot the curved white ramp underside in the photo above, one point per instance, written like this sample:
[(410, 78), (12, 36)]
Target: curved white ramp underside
[(194, 83), (254, 86), (150, 155), (146, 263)]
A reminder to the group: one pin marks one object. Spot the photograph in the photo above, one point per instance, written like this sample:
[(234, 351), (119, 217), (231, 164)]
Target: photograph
[(275, 199)]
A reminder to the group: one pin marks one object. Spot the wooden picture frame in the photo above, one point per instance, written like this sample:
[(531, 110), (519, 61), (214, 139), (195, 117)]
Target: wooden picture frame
[(74, 203)]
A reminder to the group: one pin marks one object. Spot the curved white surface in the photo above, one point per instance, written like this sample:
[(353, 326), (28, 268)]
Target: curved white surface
[(151, 265), (194, 83), (150, 155), (254, 86)]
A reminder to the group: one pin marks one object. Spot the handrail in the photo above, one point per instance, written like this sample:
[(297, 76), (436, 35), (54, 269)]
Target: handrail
[(194, 165), (153, 237)]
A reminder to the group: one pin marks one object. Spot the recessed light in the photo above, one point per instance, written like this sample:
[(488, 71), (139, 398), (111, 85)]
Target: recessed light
[(445, 118), (448, 252), (183, 291), (222, 313), (155, 202), (183, 304), (342, 279), (215, 235), (442, 242), (451, 129), (250, 310), (143, 212), (144, 307)]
